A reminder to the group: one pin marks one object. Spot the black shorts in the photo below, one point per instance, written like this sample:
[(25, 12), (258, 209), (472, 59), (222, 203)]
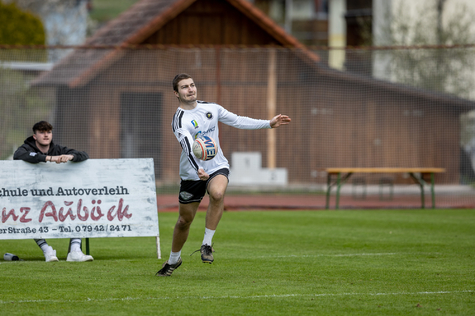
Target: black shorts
[(194, 191)]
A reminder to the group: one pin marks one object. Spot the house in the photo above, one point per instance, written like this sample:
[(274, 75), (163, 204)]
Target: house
[(116, 101), (306, 20)]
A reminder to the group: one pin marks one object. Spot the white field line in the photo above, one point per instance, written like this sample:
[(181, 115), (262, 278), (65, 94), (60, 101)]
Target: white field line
[(354, 254), (230, 297), (271, 256)]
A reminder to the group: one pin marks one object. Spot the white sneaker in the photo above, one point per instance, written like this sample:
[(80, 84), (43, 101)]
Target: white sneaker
[(78, 256), (50, 255)]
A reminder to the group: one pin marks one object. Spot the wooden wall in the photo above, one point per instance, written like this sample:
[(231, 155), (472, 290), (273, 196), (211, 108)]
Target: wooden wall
[(336, 123)]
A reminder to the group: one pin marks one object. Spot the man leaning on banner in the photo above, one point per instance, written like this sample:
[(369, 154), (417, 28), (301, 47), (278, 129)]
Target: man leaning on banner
[(40, 148)]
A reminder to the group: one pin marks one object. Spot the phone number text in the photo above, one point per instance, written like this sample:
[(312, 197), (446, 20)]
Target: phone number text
[(67, 229)]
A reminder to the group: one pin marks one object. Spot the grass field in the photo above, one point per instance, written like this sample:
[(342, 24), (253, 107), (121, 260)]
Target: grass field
[(266, 263)]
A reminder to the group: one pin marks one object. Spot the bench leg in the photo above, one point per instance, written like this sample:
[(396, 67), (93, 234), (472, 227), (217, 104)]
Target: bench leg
[(422, 197), (420, 182), (329, 187), (339, 183), (432, 189), (338, 186)]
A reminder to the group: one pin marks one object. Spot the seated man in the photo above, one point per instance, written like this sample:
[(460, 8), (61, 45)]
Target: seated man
[(41, 148)]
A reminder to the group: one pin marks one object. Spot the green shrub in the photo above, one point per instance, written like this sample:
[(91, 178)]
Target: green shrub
[(20, 108), (20, 28)]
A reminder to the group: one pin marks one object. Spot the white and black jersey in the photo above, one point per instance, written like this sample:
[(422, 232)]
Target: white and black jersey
[(203, 120)]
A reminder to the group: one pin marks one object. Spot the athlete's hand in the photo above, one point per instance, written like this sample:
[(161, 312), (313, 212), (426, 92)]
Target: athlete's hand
[(202, 174), (279, 120)]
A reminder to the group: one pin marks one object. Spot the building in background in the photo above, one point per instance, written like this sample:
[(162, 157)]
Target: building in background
[(306, 20), (333, 23), (122, 99)]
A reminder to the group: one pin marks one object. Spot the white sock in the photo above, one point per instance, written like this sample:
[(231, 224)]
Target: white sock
[(174, 256), (75, 244), (43, 245), (208, 236)]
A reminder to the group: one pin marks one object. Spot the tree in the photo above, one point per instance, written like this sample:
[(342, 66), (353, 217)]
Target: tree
[(21, 107), (438, 69), (20, 28), (65, 22), (442, 69)]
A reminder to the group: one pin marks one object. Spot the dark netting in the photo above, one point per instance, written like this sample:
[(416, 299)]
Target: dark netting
[(406, 108)]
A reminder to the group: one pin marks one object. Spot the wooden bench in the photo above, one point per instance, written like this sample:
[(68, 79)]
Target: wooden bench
[(419, 175)]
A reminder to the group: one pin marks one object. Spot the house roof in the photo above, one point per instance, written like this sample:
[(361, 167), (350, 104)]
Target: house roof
[(133, 27), (439, 98)]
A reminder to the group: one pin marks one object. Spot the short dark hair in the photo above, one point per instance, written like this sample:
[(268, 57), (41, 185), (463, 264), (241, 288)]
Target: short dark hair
[(179, 78), (42, 126)]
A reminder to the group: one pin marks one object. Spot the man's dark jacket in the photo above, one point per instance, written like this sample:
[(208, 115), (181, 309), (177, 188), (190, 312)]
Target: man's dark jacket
[(29, 152)]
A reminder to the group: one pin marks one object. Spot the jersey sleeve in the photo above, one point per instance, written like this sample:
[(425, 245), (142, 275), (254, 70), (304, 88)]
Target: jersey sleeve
[(241, 122), (186, 141)]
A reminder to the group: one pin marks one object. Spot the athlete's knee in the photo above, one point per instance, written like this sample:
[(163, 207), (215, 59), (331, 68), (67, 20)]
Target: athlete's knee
[(216, 196), (184, 221)]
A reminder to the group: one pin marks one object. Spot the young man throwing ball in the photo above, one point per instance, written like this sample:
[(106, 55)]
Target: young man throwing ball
[(193, 119)]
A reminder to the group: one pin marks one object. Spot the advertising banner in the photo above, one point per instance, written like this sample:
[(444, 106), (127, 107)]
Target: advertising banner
[(93, 198)]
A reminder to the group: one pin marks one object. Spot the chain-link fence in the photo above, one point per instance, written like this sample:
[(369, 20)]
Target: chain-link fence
[(403, 108)]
